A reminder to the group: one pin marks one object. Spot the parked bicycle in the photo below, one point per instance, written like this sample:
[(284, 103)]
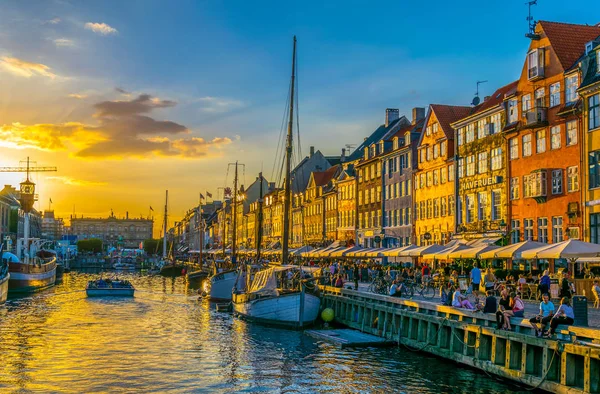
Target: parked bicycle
[(424, 289), (380, 285)]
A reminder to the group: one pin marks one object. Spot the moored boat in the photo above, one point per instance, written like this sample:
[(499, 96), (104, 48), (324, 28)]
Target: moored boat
[(35, 275), (109, 288), (280, 295), (221, 285), (4, 277)]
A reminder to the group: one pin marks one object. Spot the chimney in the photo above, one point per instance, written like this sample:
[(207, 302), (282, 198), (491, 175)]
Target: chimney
[(312, 151), (391, 114), (418, 113), (486, 98), (343, 158)]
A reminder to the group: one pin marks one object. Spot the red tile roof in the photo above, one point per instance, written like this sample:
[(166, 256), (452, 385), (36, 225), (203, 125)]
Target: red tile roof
[(496, 98), (568, 40), (447, 114), (322, 178)]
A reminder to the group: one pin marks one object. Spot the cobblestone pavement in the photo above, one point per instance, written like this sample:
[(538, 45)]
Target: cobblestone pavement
[(531, 307)]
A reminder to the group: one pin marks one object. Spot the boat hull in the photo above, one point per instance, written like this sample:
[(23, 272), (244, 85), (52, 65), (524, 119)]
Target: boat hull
[(25, 278), (110, 292), (4, 288), (221, 285), (172, 270), (282, 310)]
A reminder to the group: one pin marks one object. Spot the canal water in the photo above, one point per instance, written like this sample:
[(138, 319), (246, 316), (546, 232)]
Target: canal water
[(165, 340)]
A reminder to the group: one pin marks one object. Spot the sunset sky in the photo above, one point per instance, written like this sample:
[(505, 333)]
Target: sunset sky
[(129, 98)]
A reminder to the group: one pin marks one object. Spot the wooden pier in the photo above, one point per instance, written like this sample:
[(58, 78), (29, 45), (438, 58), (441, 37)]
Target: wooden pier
[(568, 365)]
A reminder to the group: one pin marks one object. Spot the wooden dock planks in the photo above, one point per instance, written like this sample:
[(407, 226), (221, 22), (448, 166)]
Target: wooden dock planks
[(348, 338)]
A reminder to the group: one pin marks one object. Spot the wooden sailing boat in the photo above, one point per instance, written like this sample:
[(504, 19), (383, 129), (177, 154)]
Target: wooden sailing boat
[(168, 265), (285, 294)]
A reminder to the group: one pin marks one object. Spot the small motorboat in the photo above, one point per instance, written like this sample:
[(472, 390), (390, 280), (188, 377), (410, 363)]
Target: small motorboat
[(107, 288)]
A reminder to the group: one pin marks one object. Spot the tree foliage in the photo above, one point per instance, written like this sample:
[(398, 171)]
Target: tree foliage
[(93, 245)]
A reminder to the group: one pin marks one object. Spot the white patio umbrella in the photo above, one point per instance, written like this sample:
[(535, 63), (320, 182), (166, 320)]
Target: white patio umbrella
[(377, 252), (511, 251), (444, 254), (344, 251), (421, 250), (473, 253), (395, 251), (570, 249)]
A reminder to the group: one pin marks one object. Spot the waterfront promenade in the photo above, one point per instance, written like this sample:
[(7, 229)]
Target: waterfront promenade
[(531, 307)]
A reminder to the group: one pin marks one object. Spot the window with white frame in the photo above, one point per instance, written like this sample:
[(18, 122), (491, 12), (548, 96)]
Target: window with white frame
[(470, 208), (470, 165), (515, 231), (557, 182), (555, 137), (481, 129), (526, 103), (429, 179), (535, 63), (436, 207), (540, 97), (528, 234), (594, 169), (429, 209), (461, 136), (571, 132), (436, 177), (443, 148), (422, 181), (496, 204), (555, 94), (540, 141), (461, 168), (543, 230), (497, 159), (483, 162), (571, 85), (470, 134), (482, 205), (435, 128), (514, 188), (526, 145), (429, 153), (451, 205), (513, 112), (513, 148), (451, 173), (557, 229), (594, 112), (443, 175), (534, 184), (436, 151), (572, 179), (444, 206)]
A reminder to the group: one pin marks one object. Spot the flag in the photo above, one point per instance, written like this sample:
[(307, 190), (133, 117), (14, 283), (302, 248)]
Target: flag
[(50, 200), (209, 195), (201, 196), (152, 209)]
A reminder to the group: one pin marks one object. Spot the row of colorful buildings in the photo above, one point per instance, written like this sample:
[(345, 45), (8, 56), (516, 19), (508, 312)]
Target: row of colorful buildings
[(521, 164)]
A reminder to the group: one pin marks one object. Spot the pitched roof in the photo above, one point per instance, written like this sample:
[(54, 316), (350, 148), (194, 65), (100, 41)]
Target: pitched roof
[(592, 74), (495, 99), (322, 178), (374, 137), (568, 40), (447, 114), (414, 128)]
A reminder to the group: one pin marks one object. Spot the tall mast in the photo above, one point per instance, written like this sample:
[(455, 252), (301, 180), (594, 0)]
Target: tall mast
[(287, 203), (165, 226), (260, 218), (234, 235)]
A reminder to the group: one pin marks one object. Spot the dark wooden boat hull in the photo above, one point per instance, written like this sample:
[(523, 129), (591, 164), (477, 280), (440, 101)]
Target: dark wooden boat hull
[(172, 270), (25, 278)]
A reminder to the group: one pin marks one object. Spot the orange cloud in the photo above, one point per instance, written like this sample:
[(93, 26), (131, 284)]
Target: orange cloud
[(24, 68), (121, 132), (70, 181), (101, 28)]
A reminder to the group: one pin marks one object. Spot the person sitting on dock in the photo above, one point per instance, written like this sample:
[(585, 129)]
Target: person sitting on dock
[(545, 315), (491, 304), (564, 315), (503, 307), (460, 301), (517, 309), (396, 289)]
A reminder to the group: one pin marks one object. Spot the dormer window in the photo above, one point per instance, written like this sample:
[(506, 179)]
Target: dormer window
[(598, 61), (366, 152), (535, 64), (395, 142)]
